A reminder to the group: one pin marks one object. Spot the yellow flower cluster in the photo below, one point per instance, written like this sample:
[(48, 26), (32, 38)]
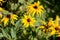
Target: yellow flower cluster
[(29, 20), (32, 9), (11, 17), (5, 19), (52, 26)]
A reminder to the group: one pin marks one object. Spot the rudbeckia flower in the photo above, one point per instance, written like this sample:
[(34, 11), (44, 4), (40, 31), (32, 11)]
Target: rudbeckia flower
[(57, 26), (57, 30), (13, 17), (48, 27), (49, 23), (28, 21), (5, 20), (10, 17), (35, 8), (48, 30)]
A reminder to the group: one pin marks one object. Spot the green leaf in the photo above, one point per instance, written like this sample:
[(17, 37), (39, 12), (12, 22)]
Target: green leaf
[(5, 12), (35, 39), (1, 35), (30, 1), (14, 6), (21, 1), (17, 25), (13, 33), (5, 34)]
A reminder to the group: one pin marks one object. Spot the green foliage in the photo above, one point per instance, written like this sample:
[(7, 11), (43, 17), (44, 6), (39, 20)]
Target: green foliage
[(18, 31)]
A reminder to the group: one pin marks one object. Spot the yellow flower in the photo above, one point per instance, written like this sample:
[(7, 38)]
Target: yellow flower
[(10, 17), (51, 22), (28, 21), (52, 26), (56, 26), (13, 17), (57, 21), (5, 20), (35, 8), (52, 31), (57, 30), (47, 27)]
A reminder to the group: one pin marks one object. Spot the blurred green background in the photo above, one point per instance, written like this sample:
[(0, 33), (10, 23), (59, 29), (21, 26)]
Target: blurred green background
[(52, 8)]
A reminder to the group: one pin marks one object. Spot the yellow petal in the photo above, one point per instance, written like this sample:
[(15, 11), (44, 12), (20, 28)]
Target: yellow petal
[(1, 9), (5, 20), (57, 20)]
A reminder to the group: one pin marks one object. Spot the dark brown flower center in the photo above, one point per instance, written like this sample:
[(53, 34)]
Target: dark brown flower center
[(28, 20), (8, 16), (35, 7), (57, 28), (46, 26)]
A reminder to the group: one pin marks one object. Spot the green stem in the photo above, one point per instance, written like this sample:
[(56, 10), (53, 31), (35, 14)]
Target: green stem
[(54, 36)]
